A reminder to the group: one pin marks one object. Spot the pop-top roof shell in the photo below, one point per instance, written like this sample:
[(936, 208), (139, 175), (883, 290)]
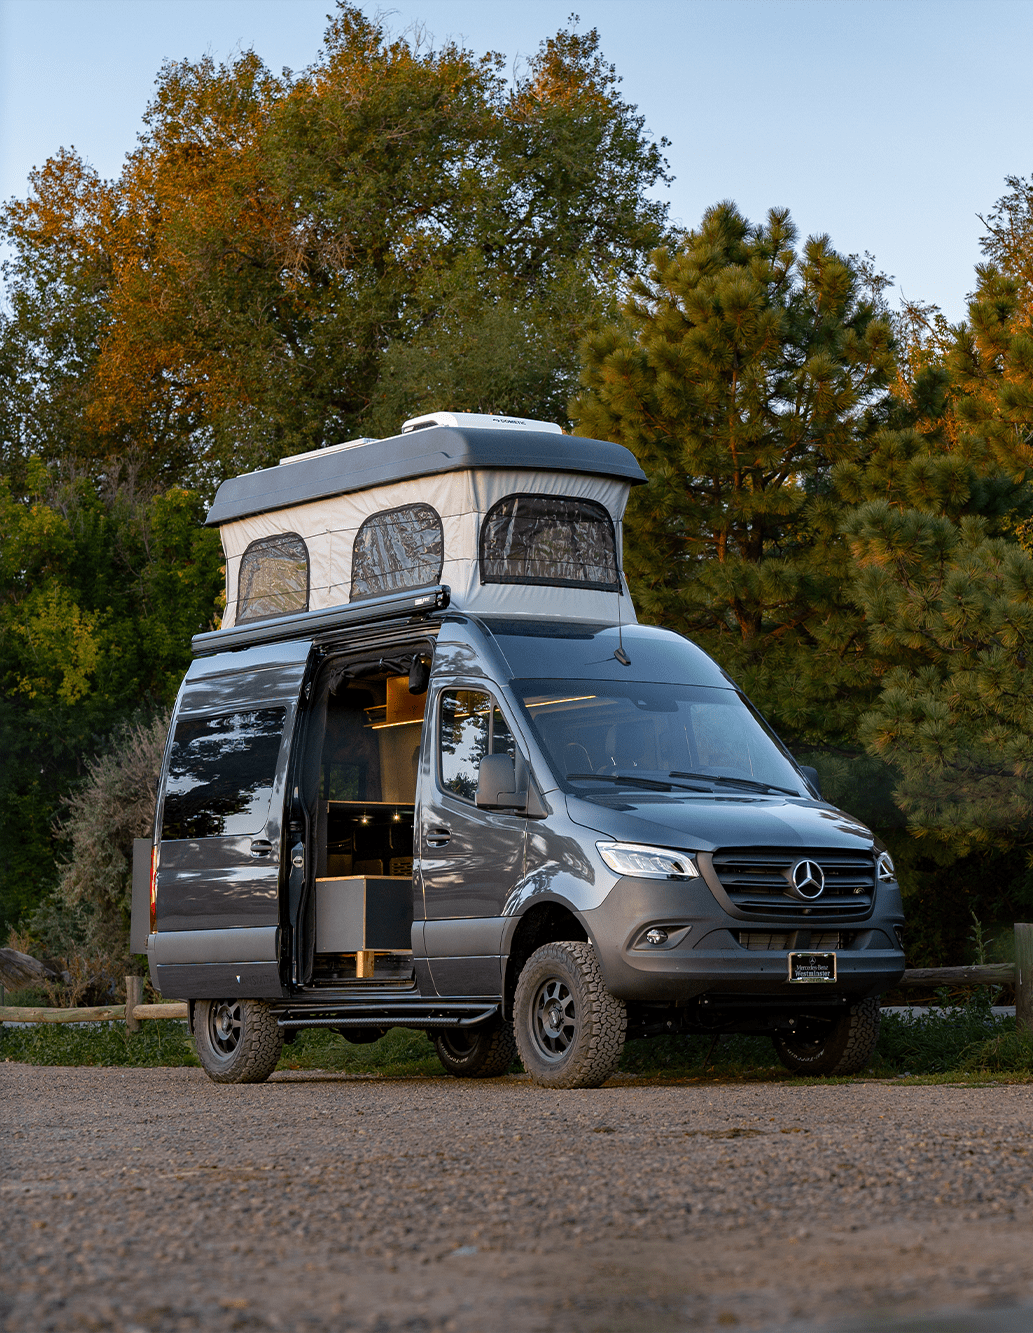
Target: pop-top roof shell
[(418, 453)]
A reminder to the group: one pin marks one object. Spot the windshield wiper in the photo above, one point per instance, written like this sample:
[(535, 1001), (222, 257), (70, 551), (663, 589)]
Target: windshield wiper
[(654, 784), (736, 782)]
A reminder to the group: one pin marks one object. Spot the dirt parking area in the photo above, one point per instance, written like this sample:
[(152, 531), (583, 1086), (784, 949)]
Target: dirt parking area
[(153, 1200)]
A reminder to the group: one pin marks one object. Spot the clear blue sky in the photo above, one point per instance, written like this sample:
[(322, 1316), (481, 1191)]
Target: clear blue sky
[(890, 124)]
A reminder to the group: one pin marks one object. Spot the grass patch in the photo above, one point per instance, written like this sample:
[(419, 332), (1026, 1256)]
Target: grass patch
[(162, 1042), (399, 1054), (947, 1037), (1008, 1052), (950, 1043), (735, 1056)]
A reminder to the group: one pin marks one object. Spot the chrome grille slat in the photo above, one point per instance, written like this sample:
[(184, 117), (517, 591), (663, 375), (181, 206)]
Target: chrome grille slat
[(755, 880)]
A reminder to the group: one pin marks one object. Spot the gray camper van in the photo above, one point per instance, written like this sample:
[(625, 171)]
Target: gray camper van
[(432, 773)]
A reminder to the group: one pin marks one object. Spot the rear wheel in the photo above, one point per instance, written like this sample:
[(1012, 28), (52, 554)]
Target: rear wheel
[(569, 1028), (238, 1041), (485, 1051), (844, 1046)]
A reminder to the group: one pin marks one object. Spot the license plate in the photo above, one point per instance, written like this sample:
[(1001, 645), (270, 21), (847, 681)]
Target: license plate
[(810, 967)]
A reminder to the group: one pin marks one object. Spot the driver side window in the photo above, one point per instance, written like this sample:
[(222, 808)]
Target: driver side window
[(471, 726)]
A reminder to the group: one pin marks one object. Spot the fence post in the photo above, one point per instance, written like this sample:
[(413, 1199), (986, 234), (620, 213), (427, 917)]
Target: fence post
[(134, 996), (1024, 976)]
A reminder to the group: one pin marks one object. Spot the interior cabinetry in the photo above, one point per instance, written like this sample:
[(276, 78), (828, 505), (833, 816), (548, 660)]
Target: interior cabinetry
[(364, 834)]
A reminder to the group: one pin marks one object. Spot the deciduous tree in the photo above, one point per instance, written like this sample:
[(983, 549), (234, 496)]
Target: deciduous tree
[(288, 261)]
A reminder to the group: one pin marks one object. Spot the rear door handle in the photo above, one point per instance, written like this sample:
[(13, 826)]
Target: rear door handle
[(261, 847), (438, 837)]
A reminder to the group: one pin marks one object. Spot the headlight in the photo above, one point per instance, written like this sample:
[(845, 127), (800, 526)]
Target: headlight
[(884, 867), (628, 858)]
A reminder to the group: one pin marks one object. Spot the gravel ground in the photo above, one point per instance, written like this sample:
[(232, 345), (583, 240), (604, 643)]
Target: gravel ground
[(151, 1199)]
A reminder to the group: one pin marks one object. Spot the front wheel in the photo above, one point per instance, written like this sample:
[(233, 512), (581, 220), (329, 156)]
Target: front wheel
[(485, 1051), (843, 1046), (238, 1041), (569, 1028)]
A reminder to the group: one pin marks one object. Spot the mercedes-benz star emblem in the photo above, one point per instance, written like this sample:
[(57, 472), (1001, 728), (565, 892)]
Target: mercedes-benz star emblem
[(807, 878)]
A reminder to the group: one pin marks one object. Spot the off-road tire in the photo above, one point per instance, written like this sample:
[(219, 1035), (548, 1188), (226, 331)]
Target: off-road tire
[(845, 1047), (485, 1051), (238, 1041), (569, 1028)]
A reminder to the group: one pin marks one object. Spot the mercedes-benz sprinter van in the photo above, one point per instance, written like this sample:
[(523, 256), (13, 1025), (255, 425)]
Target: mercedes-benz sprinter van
[(432, 773)]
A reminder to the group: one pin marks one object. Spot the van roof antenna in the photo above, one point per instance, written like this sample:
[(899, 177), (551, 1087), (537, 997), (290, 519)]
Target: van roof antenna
[(619, 653)]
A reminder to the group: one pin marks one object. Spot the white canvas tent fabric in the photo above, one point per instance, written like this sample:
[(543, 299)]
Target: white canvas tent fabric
[(328, 527)]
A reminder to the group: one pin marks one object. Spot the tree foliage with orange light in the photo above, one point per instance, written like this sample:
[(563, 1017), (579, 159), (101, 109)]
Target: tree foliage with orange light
[(288, 261), (284, 261)]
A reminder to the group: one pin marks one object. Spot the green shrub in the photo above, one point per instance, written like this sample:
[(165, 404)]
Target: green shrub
[(401, 1053), (159, 1043), (938, 1040), (1010, 1052)]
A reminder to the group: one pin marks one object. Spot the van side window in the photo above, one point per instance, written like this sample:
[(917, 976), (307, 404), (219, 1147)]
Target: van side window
[(398, 548), (273, 578), (472, 725), (547, 539), (221, 774)]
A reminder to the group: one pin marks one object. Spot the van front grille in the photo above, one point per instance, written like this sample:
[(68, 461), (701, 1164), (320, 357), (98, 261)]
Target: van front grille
[(757, 881), (766, 940), (760, 940)]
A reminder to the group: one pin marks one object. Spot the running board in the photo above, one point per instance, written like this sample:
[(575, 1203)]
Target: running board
[(419, 1016)]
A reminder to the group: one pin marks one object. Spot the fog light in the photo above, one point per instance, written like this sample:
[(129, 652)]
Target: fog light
[(656, 936)]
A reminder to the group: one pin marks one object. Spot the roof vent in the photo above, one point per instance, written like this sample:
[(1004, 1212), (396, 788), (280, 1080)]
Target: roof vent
[(479, 421), (329, 449)]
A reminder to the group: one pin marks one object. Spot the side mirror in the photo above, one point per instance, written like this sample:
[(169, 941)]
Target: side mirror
[(497, 784), (811, 774)]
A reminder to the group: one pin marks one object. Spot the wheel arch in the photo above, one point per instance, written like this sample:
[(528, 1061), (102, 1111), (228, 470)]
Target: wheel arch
[(542, 923)]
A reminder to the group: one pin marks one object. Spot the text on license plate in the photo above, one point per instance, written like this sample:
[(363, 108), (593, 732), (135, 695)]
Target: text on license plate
[(805, 967)]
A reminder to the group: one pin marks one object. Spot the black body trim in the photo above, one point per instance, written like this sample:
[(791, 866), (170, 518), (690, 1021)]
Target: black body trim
[(218, 981)]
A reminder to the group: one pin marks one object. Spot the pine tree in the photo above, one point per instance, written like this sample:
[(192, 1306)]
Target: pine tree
[(947, 588), (742, 373)]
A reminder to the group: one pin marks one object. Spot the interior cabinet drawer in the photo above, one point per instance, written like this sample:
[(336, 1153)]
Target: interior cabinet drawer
[(359, 912)]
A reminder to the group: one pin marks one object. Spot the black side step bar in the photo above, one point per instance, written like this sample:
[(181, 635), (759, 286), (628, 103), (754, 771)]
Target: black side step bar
[(415, 1015)]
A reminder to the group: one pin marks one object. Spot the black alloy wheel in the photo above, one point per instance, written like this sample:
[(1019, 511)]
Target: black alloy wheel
[(238, 1041), (569, 1028), (484, 1051)]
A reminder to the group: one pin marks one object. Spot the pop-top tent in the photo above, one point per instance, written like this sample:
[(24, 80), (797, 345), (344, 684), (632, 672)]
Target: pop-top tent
[(516, 517)]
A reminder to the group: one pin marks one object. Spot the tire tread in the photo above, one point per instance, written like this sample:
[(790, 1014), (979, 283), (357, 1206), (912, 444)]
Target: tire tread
[(605, 1015), (260, 1046), (848, 1049), (492, 1059)]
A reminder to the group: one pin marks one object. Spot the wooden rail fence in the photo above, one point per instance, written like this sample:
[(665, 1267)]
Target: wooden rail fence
[(101, 1013), (1019, 974)]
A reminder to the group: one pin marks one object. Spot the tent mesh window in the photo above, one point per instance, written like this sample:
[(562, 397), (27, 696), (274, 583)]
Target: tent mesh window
[(273, 578), (553, 540), (396, 549)]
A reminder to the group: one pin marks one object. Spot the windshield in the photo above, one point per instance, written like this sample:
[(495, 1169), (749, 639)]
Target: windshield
[(654, 737)]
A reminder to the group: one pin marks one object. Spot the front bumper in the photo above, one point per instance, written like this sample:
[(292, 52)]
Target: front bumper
[(705, 953)]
